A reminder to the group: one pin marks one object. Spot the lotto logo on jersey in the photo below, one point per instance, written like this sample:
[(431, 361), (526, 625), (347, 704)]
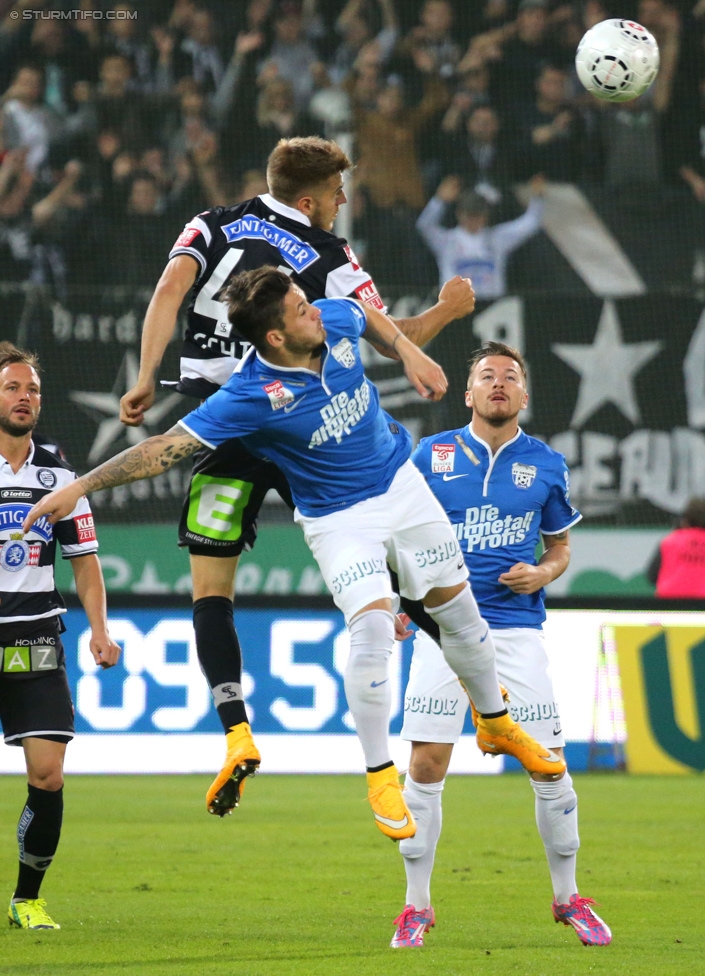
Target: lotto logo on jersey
[(278, 394), (186, 237), (368, 293), (442, 457), (85, 527)]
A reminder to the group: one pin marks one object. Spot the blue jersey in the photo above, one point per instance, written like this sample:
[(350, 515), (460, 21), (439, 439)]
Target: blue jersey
[(326, 431), (499, 504)]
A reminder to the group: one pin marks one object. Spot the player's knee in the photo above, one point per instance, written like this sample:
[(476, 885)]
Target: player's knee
[(49, 778), (428, 764), (465, 637)]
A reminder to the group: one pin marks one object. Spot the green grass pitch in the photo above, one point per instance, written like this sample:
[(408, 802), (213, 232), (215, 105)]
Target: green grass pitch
[(299, 881)]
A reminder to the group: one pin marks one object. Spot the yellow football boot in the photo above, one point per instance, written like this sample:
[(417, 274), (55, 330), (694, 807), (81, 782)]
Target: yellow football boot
[(30, 914), (504, 736), (242, 760), (385, 793)]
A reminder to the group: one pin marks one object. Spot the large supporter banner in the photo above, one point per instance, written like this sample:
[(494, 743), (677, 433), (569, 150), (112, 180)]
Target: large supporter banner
[(662, 673), (618, 386), (153, 711)]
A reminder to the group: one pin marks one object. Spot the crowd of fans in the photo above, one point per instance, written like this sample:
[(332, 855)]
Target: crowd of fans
[(119, 122)]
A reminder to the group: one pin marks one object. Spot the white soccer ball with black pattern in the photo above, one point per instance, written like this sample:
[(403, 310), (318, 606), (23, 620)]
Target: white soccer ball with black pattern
[(617, 60)]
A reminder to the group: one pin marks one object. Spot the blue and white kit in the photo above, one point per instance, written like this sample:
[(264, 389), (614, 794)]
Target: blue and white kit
[(499, 505), (302, 420), (359, 499)]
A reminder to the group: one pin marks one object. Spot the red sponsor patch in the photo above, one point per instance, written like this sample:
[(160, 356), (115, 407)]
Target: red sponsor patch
[(368, 293), (442, 457), (351, 257), (34, 553), (85, 527), (279, 395), (186, 236)]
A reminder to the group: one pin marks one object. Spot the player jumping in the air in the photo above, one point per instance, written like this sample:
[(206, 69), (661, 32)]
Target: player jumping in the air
[(289, 228), (300, 398), (503, 491)]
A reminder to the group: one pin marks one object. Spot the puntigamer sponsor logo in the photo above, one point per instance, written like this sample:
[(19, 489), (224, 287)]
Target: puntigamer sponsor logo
[(294, 251), (12, 517), (484, 528), (342, 413)]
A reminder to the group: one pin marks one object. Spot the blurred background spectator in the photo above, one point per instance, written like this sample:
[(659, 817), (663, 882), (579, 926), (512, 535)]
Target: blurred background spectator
[(169, 108), (678, 567)]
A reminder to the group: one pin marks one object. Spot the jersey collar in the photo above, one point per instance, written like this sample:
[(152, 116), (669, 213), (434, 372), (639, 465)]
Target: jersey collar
[(281, 208), (26, 464), (470, 433)]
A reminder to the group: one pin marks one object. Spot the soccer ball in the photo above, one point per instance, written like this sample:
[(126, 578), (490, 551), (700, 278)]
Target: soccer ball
[(617, 60)]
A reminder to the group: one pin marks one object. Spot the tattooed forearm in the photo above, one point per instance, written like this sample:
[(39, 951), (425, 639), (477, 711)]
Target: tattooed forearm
[(146, 460)]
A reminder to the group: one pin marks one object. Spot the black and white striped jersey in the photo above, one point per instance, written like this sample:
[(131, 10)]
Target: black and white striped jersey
[(27, 587), (251, 235)]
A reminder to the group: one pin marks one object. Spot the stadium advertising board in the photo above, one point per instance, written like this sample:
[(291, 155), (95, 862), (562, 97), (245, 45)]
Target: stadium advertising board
[(596, 374), (153, 712), (662, 672)]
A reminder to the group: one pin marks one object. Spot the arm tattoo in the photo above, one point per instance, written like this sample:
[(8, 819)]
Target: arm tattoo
[(146, 460)]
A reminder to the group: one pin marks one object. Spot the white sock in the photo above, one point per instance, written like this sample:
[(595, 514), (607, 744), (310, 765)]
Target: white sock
[(419, 851), (468, 648), (367, 682), (557, 820)]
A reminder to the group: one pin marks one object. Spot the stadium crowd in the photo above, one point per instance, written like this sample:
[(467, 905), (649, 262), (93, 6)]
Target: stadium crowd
[(119, 122)]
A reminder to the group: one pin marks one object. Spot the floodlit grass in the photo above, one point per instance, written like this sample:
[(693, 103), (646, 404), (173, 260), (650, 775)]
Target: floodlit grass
[(299, 881)]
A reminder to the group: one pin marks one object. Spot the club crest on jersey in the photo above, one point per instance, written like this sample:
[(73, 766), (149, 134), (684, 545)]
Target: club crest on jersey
[(14, 555), (46, 477), (523, 475), (344, 353), (442, 457), (278, 394)]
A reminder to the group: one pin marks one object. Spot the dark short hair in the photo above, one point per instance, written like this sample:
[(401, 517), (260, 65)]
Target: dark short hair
[(10, 354), (301, 164), (491, 348), (694, 513), (255, 301)]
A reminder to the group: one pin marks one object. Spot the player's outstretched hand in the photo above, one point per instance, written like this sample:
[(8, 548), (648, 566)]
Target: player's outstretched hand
[(525, 578), (54, 506), (458, 294), (426, 376), (135, 403), (105, 651)]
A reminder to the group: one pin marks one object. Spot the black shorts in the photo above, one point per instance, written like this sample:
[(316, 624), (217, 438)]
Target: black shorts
[(227, 489), (35, 699)]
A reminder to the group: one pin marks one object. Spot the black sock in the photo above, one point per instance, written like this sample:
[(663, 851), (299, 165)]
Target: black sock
[(377, 769), (38, 833), (220, 657), (494, 714)]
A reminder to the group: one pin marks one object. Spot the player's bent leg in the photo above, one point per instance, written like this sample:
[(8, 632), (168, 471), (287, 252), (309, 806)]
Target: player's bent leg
[(369, 699), (468, 647), (38, 831)]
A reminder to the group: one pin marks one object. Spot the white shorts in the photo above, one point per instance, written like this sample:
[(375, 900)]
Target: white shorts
[(435, 702), (405, 527)]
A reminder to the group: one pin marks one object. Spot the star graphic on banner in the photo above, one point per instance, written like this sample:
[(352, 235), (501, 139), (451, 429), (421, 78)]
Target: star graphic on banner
[(104, 408), (607, 368)]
